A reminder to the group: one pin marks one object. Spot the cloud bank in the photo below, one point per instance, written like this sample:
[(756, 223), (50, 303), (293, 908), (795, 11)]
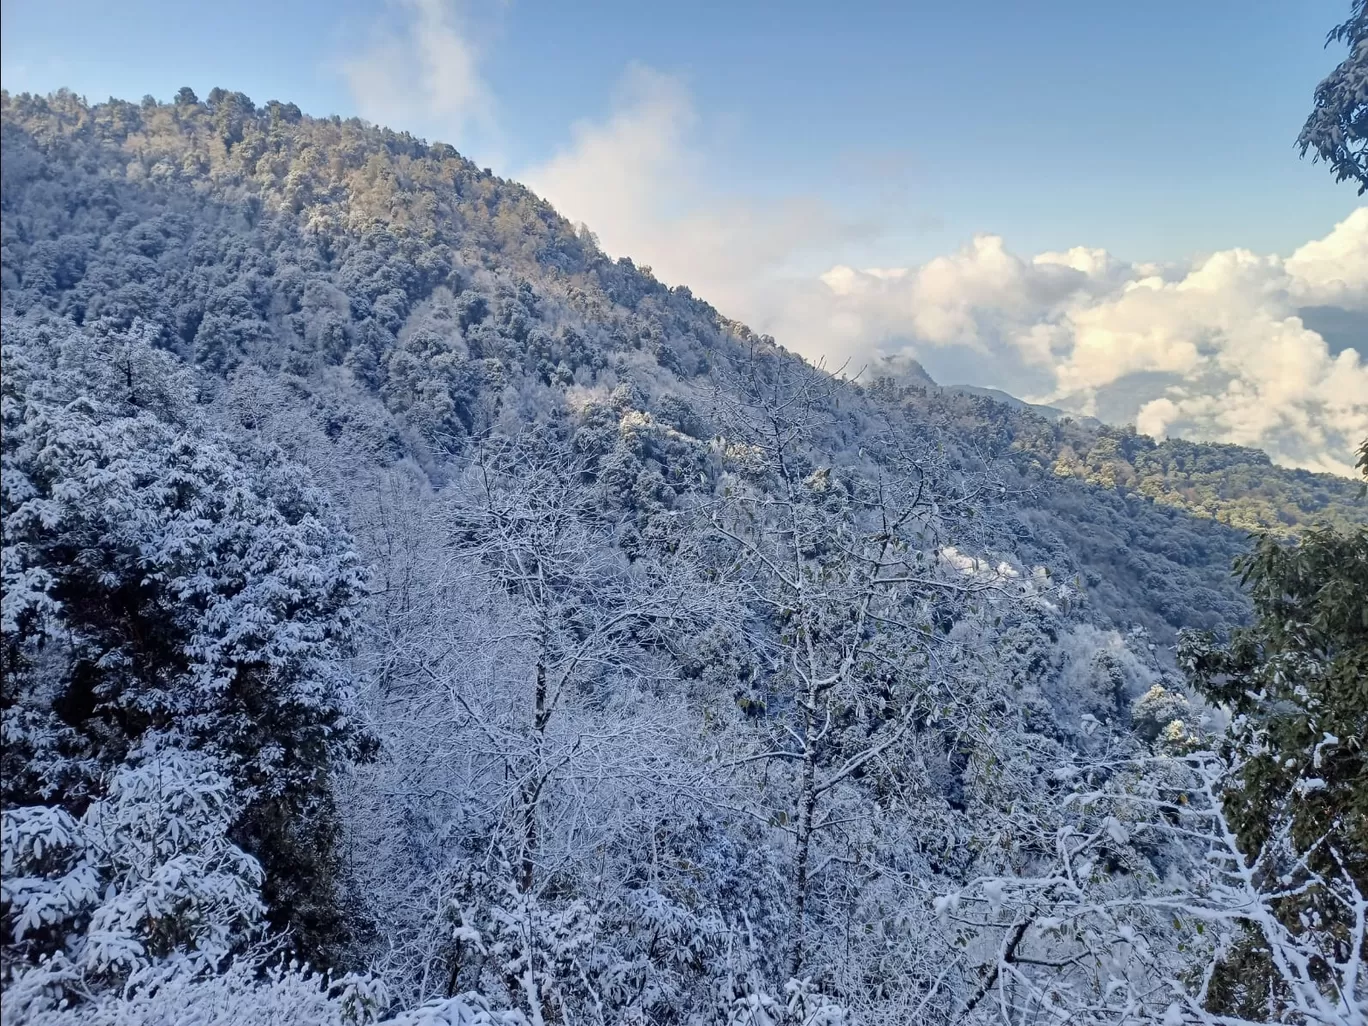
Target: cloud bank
[(1219, 349), (1260, 350)]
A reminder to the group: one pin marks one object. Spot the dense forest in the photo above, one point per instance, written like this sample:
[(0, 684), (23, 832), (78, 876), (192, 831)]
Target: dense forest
[(246, 238), (413, 615)]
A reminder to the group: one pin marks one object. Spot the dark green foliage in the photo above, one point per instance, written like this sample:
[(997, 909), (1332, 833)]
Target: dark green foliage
[(1297, 676), (1296, 683), (1336, 131)]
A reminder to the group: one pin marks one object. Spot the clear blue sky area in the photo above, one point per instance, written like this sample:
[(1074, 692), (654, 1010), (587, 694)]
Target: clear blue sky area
[(1156, 130)]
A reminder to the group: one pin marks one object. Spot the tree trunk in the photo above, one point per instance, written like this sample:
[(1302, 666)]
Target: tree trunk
[(531, 788), (807, 805)]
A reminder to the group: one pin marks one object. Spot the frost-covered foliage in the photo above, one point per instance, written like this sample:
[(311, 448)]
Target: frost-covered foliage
[(142, 911), (1134, 910), (161, 588), (1160, 712), (239, 996), (540, 774), (245, 995), (393, 580), (156, 578), (145, 881)]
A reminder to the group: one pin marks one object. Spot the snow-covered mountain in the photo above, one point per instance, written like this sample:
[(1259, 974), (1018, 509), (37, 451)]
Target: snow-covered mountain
[(389, 570)]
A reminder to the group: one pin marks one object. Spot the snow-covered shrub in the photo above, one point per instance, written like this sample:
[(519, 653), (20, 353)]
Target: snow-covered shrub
[(1154, 713), (145, 879)]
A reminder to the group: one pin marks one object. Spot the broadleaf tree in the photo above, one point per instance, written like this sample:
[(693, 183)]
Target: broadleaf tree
[(1336, 131)]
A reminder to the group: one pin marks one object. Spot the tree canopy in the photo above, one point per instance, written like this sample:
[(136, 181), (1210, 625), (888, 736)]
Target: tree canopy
[(1336, 131)]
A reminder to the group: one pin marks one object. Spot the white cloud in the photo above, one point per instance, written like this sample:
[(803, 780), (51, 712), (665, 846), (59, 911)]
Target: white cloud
[(1334, 270), (640, 180), (621, 176), (1214, 351), (422, 71)]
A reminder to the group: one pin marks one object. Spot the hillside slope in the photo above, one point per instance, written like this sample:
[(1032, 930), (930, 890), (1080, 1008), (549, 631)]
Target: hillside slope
[(397, 586), (241, 236)]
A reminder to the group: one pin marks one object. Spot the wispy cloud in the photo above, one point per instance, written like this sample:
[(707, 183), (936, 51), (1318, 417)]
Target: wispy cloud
[(641, 180), (420, 69)]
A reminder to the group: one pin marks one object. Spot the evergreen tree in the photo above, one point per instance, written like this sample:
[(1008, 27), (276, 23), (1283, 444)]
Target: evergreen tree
[(1296, 685), (160, 589)]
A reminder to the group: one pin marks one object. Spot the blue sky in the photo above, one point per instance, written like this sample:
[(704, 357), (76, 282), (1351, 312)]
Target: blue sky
[(1155, 130), (1097, 204)]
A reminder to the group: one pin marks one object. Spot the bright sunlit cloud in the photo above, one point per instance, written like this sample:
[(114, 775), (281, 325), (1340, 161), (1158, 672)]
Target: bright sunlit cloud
[(1219, 350)]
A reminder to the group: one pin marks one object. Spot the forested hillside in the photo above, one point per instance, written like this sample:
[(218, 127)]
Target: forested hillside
[(397, 584), (1230, 483), (263, 237)]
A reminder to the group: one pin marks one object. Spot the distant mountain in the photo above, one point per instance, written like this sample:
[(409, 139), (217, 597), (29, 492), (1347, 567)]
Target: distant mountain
[(1050, 413)]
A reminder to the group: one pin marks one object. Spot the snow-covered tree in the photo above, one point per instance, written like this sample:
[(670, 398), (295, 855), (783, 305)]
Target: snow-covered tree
[(1134, 911), (854, 593), (160, 586), (538, 773), (592, 624), (1295, 684), (143, 911), (144, 882)]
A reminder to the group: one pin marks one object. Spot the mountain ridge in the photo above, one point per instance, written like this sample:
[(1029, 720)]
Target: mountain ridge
[(398, 586), (242, 236)]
